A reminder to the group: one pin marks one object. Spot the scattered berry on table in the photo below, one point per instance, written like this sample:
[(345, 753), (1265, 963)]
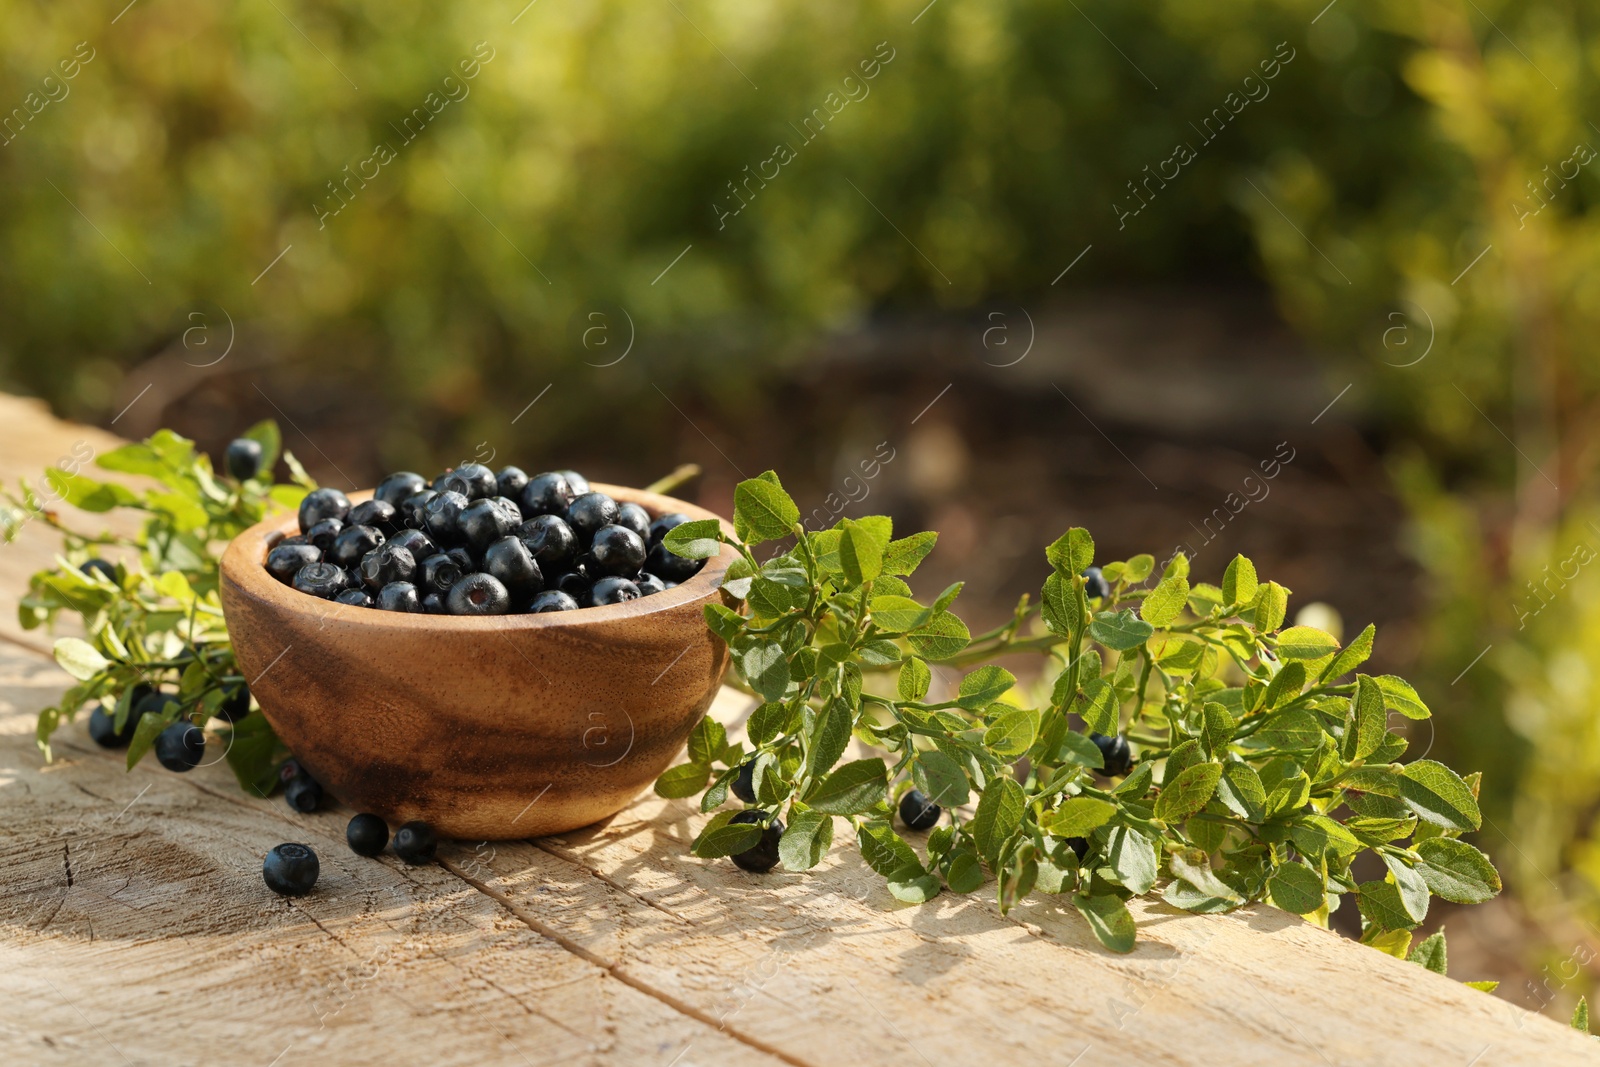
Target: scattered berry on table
[(1115, 753), (103, 731), (918, 812), (291, 870), (243, 458), (415, 843), (762, 856), (181, 746), (1095, 584), (304, 793), (367, 834)]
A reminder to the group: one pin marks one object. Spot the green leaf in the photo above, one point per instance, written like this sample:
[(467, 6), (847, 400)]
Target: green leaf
[(1354, 655), (1012, 733), (1239, 581), (766, 668), (1271, 605), (1072, 552), (1292, 729), (684, 780), (1077, 816), (721, 838), (984, 686), (1241, 791), (1439, 796), (1099, 708), (1285, 685), (762, 511), (898, 614), (768, 722), (1413, 891), (79, 658), (1132, 858), (943, 636), (903, 556), (1580, 1016), (1077, 748), (914, 679), (1295, 888), (706, 741), (965, 873), (144, 735), (696, 539), (829, 738), (806, 841), (1217, 730), (87, 493), (1482, 987), (265, 433), (1380, 903), (1110, 920), (940, 778), (886, 851), (851, 789), (1398, 695), (253, 753), (862, 545), (1120, 631), (1195, 870), (1430, 953), (1367, 722), (1137, 568), (916, 889), (1456, 871), (998, 816), (1305, 643), (1165, 602), (1318, 835), (1193, 788)]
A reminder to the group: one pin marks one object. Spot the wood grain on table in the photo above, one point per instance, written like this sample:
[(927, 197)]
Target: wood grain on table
[(135, 929)]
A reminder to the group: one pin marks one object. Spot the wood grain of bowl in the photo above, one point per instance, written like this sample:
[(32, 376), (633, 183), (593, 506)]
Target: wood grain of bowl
[(488, 728)]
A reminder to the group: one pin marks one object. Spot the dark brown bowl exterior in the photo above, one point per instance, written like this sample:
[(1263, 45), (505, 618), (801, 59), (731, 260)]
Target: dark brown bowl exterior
[(487, 728)]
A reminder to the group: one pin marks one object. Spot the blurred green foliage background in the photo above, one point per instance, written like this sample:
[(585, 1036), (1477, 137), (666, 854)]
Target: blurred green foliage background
[(1410, 158)]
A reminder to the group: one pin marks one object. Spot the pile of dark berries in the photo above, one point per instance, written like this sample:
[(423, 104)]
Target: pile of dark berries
[(474, 542)]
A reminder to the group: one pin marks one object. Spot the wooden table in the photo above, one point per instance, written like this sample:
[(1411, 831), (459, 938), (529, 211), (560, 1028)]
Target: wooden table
[(135, 929)]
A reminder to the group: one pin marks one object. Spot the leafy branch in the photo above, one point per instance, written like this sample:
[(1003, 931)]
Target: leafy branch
[(1264, 768)]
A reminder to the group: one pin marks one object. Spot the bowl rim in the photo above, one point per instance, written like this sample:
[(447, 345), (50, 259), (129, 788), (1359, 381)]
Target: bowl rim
[(243, 565)]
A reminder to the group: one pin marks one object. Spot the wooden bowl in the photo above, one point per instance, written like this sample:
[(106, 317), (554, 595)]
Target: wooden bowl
[(490, 727)]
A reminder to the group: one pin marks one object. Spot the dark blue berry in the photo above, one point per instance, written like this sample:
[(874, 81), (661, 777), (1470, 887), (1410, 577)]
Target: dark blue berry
[(243, 458), (649, 583), (1079, 846), (636, 519), (379, 514), (415, 842), (510, 482), (478, 594), (472, 480), (433, 604), (1116, 754), (414, 509), (304, 794), (322, 579), (323, 534), (417, 542), (588, 512), (322, 504), (664, 525), (918, 812), (291, 870), (235, 703), (386, 564), (578, 482), (285, 561), (101, 567), (367, 834), (180, 746), (398, 487), (669, 566), (744, 784), (352, 543), (552, 600), (464, 559), (762, 856), (617, 550), (546, 494), (356, 598), (550, 539), (612, 590), (483, 522), (103, 728), (399, 596), (438, 572), (1095, 584), (575, 584), (509, 561), (444, 517)]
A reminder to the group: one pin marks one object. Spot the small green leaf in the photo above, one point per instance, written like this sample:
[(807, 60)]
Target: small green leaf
[(696, 539), (266, 434), (984, 686), (998, 816), (1132, 857), (1271, 605), (1318, 835), (1239, 581), (886, 851), (706, 741), (1072, 552), (1366, 724), (806, 841), (144, 735), (1439, 796), (1399, 695), (684, 780), (914, 679), (1165, 602), (1192, 866), (903, 556), (1241, 791), (762, 511), (965, 873), (829, 737), (1580, 1016), (1110, 920), (1285, 685), (721, 838), (1354, 655), (940, 778), (1430, 952), (1012, 733), (1413, 890), (941, 637), (79, 658), (1193, 788), (1120, 631), (1482, 987), (1077, 816), (862, 545), (852, 789), (1456, 871), (898, 614), (1217, 730), (917, 889), (766, 668), (1380, 904), (1295, 888), (1305, 643), (1099, 708)]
